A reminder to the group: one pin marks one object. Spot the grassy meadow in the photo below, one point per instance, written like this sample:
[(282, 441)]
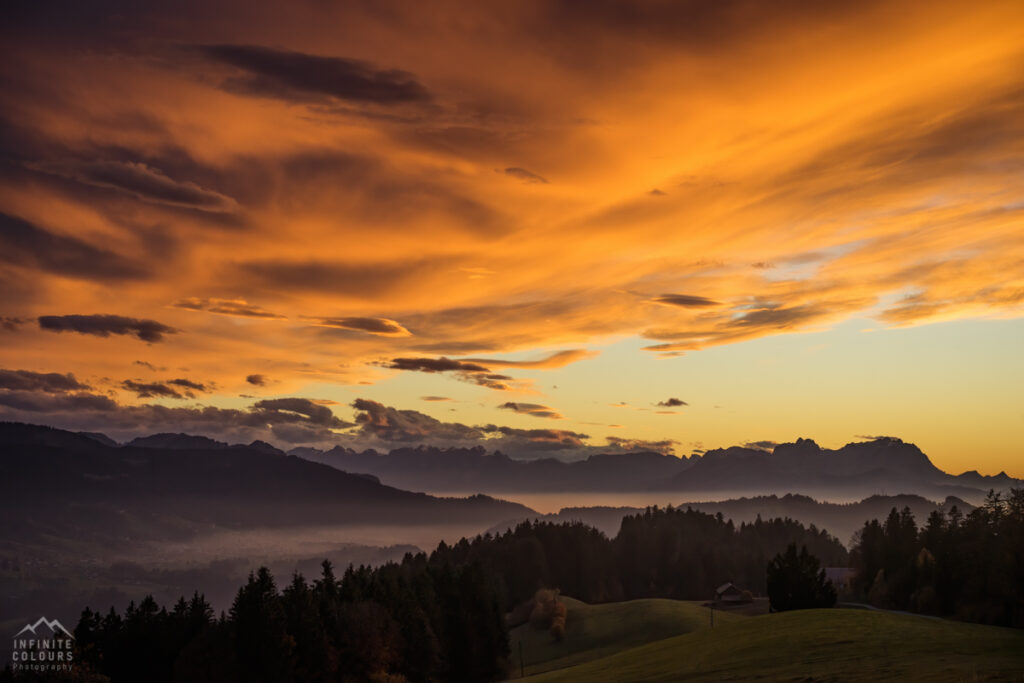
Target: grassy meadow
[(809, 645), (595, 631)]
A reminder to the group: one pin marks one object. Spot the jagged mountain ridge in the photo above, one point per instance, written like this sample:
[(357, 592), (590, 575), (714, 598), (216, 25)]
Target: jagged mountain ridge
[(805, 462), (67, 484), (857, 470)]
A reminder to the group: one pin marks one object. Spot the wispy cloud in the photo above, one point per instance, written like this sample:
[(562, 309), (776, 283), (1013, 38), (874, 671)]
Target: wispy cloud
[(236, 307), (377, 326), (532, 409)]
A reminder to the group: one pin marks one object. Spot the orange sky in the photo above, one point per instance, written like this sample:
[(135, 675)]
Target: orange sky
[(324, 202)]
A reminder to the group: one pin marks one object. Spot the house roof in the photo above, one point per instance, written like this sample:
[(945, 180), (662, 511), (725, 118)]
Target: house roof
[(725, 587)]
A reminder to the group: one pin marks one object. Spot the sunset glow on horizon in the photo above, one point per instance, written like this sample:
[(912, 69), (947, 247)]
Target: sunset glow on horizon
[(547, 227)]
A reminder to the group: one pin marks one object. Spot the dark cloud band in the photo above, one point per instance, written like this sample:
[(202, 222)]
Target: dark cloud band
[(27, 245), (46, 382), (533, 409), (685, 300), (291, 75), (143, 182), (106, 325), (473, 373), (379, 326)]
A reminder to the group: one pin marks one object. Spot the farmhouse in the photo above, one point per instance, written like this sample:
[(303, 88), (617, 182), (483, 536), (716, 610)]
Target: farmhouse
[(729, 594)]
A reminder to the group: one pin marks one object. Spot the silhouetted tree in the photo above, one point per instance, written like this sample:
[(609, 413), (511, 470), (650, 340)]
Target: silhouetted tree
[(797, 581), (263, 646), (429, 618), (967, 566)]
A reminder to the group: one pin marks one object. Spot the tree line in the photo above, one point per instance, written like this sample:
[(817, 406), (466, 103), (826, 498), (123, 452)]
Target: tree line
[(659, 553), (430, 617), (442, 616), (406, 621), (970, 567)]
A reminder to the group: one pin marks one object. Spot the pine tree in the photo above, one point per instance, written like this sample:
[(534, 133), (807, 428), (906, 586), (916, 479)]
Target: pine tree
[(796, 581)]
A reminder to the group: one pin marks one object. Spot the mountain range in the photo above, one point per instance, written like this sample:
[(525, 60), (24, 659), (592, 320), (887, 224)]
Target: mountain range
[(71, 485), (857, 470)]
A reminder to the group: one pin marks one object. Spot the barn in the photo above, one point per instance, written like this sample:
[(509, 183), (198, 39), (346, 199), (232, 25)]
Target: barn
[(729, 594)]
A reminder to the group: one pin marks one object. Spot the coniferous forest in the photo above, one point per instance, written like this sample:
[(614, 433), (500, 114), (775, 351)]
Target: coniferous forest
[(436, 617), (969, 567), (442, 616)]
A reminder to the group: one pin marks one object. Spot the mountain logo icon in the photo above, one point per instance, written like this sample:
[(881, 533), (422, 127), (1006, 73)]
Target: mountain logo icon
[(54, 625)]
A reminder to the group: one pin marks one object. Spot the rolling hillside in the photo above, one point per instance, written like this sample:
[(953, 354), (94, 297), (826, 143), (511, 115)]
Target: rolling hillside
[(815, 645), (595, 631)]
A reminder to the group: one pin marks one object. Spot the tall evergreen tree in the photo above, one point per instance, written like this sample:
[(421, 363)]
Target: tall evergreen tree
[(797, 581)]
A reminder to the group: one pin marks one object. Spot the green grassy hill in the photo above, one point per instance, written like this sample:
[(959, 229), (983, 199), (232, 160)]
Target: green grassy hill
[(594, 631), (816, 645)]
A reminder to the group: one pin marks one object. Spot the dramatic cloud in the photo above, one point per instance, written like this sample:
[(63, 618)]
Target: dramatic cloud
[(106, 325), (434, 399), (751, 320), (534, 409), (28, 246), (294, 75), (142, 182), (46, 382), (761, 445), (286, 421), (525, 176), (236, 307), (672, 403), (707, 189), (666, 446), (256, 380), (391, 424), (312, 411), (488, 380), (542, 439), (408, 426), (555, 360), (465, 371), (189, 384), (778, 316), (434, 365), (684, 300), (378, 326), (151, 389), (172, 388)]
